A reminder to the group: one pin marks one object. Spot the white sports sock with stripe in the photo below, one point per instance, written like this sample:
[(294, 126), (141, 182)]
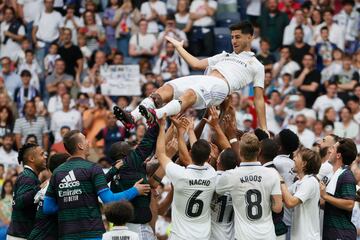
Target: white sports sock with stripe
[(171, 108)]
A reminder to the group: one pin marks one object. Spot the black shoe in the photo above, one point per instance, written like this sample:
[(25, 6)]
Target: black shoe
[(124, 117), (149, 115)]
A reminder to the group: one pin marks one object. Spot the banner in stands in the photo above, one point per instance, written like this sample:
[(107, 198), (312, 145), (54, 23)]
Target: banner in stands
[(121, 80)]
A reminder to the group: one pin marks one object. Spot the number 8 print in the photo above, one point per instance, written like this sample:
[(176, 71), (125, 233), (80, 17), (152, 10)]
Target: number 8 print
[(253, 204)]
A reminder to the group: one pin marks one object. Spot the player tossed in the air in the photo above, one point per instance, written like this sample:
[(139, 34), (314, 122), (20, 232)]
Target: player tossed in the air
[(227, 73)]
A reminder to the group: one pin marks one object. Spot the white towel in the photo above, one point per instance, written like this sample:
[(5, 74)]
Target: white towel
[(331, 187)]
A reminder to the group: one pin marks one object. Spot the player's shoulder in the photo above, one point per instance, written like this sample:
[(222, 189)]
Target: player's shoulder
[(256, 64)]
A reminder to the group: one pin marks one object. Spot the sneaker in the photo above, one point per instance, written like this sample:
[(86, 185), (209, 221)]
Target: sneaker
[(149, 115), (124, 117)]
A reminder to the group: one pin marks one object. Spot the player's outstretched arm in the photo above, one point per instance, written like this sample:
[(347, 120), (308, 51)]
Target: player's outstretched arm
[(193, 62), (160, 144), (213, 122), (260, 106), (107, 196)]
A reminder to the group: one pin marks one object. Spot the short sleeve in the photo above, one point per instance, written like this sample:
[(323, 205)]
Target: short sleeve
[(98, 178), (355, 76), (224, 182), (21, 31), (174, 172), (347, 186), (133, 39), (193, 7), (44, 124), (213, 4), (215, 59), (259, 76), (276, 189), (305, 190), (78, 54), (162, 8), (17, 127)]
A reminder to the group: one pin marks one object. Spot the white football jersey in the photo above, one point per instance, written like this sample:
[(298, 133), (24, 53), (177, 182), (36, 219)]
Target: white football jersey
[(239, 69), (194, 187), (285, 165), (222, 216), (251, 187), (120, 232)]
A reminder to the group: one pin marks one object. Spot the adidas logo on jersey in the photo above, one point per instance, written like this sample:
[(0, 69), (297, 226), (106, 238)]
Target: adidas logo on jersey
[(69, 181)]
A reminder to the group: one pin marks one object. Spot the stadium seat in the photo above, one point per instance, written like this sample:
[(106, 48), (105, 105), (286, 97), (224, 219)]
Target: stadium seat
[(222, 40), (225, 19)]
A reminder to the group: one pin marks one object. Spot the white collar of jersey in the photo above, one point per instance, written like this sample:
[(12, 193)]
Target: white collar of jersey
[(196, 167), (268, 163), (283, 155), (28, 167), (246, 164), (119, 228), (251, 54)]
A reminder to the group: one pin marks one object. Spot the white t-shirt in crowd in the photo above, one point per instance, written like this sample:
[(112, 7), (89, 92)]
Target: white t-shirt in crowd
[(31, 9), (146, 41), (336, 35), (194, 187), (293, 113), (9, 159), (291, 68), (251, 187), (49, 25), (222, 216), (285, 165), (307, 137), (306, 224), (145, 9), (254, 8), (11, 48), (120, 232), (351, 131), (55, 104), (59, 119), (69, 24), (198, 6), (323, 102), (238, 69)]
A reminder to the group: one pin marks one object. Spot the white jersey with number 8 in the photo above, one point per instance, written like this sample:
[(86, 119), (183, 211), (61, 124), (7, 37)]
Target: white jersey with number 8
[(194, 187), (251, 187)]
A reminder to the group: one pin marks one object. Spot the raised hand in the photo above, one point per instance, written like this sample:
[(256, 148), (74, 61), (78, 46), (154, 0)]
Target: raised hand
[(175, 42), (213, 119), (118, 164)]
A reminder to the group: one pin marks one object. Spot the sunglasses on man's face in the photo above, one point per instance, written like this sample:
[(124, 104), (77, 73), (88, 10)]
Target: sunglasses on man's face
[(300, 122)]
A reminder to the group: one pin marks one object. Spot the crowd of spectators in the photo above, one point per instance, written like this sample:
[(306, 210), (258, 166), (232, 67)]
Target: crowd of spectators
[(52, 51)]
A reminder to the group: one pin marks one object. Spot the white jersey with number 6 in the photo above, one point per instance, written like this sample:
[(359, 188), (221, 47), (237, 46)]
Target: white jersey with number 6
[(222, 216), (251, 187), (194, 187)]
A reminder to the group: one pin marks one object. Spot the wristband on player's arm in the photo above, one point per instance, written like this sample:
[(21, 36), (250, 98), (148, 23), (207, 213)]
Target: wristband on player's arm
[(107, 196), (50, 205)]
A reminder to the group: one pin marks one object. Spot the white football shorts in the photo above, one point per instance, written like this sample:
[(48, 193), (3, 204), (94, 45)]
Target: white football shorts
[(210, 91)]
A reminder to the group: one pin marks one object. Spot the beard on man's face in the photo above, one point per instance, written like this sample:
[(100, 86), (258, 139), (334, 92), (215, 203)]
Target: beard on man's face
[(323, 152)]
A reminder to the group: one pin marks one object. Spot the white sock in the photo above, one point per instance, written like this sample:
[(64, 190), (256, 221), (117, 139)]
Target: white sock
[(172, 108), (148, 103)]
